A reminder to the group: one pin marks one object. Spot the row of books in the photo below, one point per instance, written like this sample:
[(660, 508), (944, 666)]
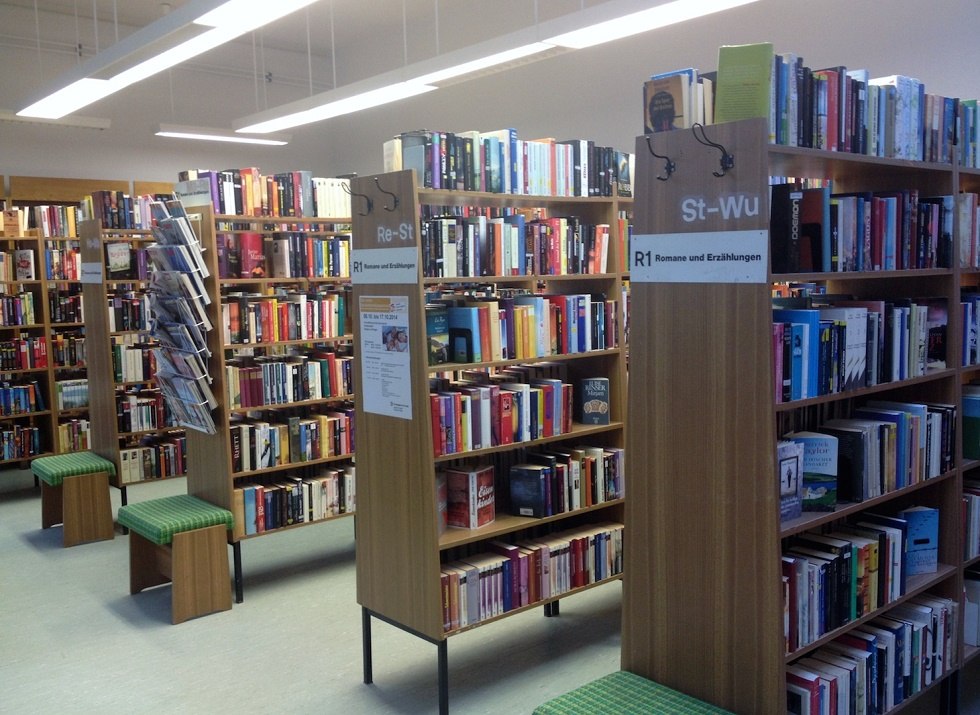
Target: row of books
[(971, 607), (128, 310), (53, 220), (62, 262), (64, 305), (73, 435), (882, 446), (512, 575), (24, 353), (158, 457), (20, 442), (677, 100), (294, 500), (284, 254), (512, 246), (970, 313), (878, 665), (840, 110), (71, 394), (142, 410), (518, 326), (17, 265), (18, 309), (67, 349), (257, 318), (815, 230), (842, 344), (971, 519), (248, 192), (274, 439), (280, 380), (500, 162), (117, 209), (132, 358), (21, 399)]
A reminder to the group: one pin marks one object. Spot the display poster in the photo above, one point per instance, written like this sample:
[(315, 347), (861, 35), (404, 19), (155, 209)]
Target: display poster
[(383, 346)]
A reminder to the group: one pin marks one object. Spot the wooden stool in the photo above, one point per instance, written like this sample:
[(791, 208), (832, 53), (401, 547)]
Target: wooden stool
[(75, 493), (181, 540)]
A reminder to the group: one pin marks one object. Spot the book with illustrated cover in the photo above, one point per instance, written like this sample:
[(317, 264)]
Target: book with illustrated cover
[(470, 501), (819, 470), (592, 401), (24, 264), (789, 461)]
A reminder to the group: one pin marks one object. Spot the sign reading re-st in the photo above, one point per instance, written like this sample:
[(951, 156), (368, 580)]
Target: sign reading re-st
[(387, 235)]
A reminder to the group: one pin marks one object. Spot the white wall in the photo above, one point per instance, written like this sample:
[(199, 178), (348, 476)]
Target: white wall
[(592, 93)]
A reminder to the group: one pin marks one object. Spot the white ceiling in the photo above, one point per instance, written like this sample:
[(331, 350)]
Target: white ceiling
[(591, 93)]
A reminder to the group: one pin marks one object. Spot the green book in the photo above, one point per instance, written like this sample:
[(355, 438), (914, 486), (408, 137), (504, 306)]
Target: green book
[(744, 82)]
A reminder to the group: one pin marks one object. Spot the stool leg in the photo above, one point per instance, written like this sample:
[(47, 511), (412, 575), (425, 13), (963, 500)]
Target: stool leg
[(51, 509), (87, 508), (149, 563), (201, 579)]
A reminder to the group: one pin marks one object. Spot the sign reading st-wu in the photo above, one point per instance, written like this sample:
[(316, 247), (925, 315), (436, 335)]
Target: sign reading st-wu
[(728, 207)]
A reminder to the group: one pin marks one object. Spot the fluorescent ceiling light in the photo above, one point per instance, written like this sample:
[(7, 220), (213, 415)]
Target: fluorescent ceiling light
[(74, 122), (112, 69), (482, 63), (177, 131), (641, 21), (332, 104)]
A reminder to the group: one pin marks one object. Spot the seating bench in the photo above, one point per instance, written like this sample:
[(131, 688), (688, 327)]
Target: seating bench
[(75, 493), (624, 693), (181, 540)]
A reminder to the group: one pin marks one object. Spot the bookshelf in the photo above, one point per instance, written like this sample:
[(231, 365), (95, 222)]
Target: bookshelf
[(216, 470), (703, 604), (130, 424), (402, 552)]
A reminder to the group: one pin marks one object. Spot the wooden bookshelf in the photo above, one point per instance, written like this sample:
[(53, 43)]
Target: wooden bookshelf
[(703, 601), (400, 549)]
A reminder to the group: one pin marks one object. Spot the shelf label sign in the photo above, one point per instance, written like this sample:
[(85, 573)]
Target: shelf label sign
[(92, 272), (709, 257), (383, 345), (383, 266)]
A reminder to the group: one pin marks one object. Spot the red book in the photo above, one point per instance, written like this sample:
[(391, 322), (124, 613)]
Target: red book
[(470, 496), (251, 247), (259, 508), (506, 417), (438, 435)]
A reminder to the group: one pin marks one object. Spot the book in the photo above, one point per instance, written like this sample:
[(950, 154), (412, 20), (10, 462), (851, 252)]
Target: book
[(470, 496), (592, 401), (922, 547), (744, 85), (437, 333), (667, 101), (529, 489), (789, 461), (819, 470)]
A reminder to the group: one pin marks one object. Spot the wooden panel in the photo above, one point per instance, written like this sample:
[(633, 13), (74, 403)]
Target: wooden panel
[(397, 541), (87, 508), (54, 190), (140, 188), (702, 600), (201, 581), (103, 434)]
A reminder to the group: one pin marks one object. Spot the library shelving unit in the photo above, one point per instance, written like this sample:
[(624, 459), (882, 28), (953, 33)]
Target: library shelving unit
[(128, 424), (703, 603), (215, 470), (401, 549)]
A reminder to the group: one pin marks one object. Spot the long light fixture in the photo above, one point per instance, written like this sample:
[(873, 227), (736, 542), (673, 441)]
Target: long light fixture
[(195, 27), (606, 22), (179, 131), (98, 123)]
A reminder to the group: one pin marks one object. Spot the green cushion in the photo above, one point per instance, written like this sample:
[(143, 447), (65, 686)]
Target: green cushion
[(157, 520), (53, 470), (624, 693)]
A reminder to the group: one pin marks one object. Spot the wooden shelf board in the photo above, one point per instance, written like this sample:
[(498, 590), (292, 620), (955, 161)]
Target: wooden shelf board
[(874, 389), (328, 280), (297, 403), (519, 279), (914, 586), (506, 524), (858, 275), (452, 366), (339, 339), (231, 218), (811, 520), (446, 197), (578, 430)]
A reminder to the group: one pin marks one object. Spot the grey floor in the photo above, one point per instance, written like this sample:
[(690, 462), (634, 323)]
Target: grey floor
[(72, 639)]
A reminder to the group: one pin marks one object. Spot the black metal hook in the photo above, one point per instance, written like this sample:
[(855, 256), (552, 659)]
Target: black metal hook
[(394, 198), (367, 200), (727, 160), (669, 165)]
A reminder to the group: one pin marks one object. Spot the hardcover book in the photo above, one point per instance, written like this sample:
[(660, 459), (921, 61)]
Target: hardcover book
[(819, 470), (592, 401), (470, 496), (437, 333), (529, 489)]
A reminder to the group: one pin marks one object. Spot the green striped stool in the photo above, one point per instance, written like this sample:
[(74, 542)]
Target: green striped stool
[(75, 493), (624, 693), (181, 540)]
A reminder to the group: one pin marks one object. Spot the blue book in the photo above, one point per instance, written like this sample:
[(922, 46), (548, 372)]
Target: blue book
[(809, 346), (900, 419), (249, 493), (464, 334), (529, 490)]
